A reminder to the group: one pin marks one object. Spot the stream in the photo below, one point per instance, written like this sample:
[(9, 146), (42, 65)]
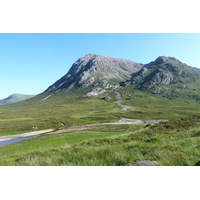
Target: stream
[(13, 140)]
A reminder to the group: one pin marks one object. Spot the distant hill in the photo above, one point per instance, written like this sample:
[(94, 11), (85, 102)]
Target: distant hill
[(15, 98)]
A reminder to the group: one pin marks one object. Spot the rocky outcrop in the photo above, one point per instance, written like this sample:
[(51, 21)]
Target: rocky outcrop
[(95, 92)]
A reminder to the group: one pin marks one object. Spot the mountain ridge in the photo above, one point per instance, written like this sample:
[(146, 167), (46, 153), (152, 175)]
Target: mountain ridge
[(100, 74)]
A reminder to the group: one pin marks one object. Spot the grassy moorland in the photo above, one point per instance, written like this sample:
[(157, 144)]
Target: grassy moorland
[(175, 142), (50, 113), (70, 110)]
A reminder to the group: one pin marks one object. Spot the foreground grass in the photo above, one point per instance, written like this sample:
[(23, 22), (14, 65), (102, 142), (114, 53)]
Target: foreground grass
[(56, 142), (169, 143)]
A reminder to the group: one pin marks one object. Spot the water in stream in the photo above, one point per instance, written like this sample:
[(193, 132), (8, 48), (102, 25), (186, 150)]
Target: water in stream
[(2, 143)]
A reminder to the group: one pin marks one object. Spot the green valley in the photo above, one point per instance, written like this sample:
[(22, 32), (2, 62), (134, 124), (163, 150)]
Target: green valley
[(135, 115)]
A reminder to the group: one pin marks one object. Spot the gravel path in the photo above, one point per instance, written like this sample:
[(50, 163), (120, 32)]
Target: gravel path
[(119, 102), (121, 121), (82, 127), (124, 107), (8, 137), (79, 128)]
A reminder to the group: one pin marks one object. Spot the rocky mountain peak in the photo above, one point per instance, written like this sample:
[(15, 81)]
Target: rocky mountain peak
[(157, 76), (96, 71), (165, 59)]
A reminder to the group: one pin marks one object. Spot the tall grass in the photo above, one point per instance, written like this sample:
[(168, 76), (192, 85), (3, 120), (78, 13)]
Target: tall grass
[(173, 143)]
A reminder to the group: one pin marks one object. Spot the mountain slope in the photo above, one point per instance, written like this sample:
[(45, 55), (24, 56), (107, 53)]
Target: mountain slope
[(96, 71), (15, 98), (166, 74)]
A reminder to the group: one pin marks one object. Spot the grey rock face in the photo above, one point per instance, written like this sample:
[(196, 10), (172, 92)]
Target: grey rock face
[(97, 71), (157, 75), (95, 92), (161, 77)]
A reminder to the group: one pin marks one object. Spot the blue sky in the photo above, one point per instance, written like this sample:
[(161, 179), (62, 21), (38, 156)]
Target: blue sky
[(30, 63)]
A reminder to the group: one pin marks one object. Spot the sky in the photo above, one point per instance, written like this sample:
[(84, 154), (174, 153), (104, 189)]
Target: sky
[(31, 62)]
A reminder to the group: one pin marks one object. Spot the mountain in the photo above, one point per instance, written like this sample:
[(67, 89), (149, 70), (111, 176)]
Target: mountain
[(98, 74), (166, 74), (15, 98), (96, 71)]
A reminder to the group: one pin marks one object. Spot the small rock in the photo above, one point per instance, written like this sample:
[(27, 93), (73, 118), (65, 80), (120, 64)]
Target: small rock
[(106, 98), (34, 128), (142, 163)]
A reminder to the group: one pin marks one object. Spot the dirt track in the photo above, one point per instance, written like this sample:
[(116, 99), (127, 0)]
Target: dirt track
[(81, 127), (121, 121), (119, 102)]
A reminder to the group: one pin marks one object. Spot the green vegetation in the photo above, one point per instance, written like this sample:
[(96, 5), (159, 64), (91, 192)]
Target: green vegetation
[(149, 106), (75, 110), (175, 142), (50, 113), (56, 110), (14, 119)]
